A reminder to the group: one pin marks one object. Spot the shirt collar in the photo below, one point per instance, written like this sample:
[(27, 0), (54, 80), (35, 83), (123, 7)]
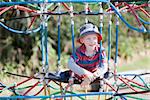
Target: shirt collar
[(82, 48)]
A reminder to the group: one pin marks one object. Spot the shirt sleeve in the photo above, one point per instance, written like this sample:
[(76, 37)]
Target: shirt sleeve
[(101, 70), (77, 69)]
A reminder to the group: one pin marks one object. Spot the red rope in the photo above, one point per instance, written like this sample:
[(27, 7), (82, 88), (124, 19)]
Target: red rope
[(33, 19), (145, 12), (31, 88), (2, 8), (24, 9), (134, 13), (21, 82), (127, 84), (41, 89), (5, 9), (111, 86), (140, 7), (1, 88), (133, 82), (66, 6), (118, 5)]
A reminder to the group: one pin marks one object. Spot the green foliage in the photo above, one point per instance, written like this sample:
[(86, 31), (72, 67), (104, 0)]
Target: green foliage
[(10, 67), (23, 52), (126, 48)]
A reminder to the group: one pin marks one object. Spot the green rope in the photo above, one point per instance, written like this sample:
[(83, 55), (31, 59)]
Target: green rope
[(59, 92), (21, 88), (136, 98)]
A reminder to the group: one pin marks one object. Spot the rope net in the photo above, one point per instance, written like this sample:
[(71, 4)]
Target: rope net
[(115, 86)]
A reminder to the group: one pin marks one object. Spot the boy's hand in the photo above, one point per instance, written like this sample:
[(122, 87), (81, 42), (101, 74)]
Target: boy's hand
[(98, 73), (86, 82)]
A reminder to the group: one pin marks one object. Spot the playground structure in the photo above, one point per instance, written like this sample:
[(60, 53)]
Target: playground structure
[(135, 83)]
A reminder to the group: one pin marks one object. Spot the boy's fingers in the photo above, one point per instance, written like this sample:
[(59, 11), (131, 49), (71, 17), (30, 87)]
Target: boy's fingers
[(85, 83)]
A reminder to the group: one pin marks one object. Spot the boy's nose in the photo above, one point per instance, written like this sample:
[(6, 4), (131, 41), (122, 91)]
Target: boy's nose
[(93, 42)]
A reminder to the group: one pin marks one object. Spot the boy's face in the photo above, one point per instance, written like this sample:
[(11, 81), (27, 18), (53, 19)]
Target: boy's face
[(90, 40)]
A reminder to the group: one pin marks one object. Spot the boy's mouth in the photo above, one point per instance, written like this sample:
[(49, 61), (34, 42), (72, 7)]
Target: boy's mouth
[(92, 45)]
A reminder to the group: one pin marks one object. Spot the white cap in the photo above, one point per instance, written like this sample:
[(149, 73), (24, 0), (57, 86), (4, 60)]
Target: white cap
[(89, 28)]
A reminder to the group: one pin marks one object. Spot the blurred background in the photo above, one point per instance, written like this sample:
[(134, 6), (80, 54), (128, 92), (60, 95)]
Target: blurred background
[(21, 53)]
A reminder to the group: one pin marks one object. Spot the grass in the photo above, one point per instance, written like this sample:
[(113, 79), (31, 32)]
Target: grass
[(142, 63)]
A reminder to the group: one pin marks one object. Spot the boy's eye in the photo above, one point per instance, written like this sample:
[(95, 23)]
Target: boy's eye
[(91, 38), (94, 37), (88, 38)]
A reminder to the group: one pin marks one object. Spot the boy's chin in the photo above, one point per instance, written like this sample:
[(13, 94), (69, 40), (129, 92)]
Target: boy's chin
[(91, 47)]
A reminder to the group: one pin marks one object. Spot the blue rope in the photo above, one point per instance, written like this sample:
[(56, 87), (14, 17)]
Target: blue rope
[(120, 16), (143, 21), (148, 31), (127, 75), (58, 96), (73, 35), (2, 84), (20, 32), (44, 49), (49, 1), (142, 80), (45, 43), (100, 57), (59, 48), (116, 54), (42, 44), (101, 29), (123, 98)]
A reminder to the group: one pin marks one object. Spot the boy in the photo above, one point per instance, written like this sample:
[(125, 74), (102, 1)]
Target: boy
[(86, 63)]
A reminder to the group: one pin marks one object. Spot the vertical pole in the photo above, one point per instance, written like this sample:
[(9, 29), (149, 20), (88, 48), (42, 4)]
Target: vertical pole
[(101, 31), (72, 31), (73, 36), (44, 35), (116, 53), (86, 21), (44, 46), (59, 47), (109, 40)]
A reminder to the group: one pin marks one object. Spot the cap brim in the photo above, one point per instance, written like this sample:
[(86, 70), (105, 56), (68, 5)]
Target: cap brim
[(91, 32)]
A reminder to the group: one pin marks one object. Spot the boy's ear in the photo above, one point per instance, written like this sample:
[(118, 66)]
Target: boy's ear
[(81, 40)]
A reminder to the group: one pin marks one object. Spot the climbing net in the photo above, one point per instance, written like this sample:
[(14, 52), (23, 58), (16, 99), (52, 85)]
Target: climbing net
[(115, 86)]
